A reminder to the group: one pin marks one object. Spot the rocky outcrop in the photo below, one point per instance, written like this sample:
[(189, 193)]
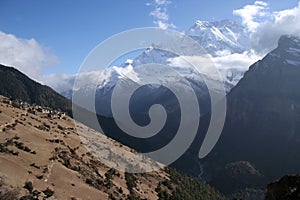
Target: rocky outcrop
[(287, 188), (238, 176)]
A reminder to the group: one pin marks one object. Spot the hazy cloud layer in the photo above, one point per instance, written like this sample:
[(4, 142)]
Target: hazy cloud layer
[(65, 82)]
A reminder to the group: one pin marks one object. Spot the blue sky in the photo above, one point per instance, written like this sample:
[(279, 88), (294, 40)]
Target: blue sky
[(69, 30)]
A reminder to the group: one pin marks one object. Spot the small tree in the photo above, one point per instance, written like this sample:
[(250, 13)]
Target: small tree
[(28, 185)]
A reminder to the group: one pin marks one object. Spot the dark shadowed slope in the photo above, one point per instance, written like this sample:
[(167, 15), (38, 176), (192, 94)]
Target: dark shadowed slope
[(17, 85), (263, 118)]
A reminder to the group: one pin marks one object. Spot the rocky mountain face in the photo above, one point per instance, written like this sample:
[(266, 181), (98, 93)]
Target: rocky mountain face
[(17, 85), (238, 176), (263, 115)]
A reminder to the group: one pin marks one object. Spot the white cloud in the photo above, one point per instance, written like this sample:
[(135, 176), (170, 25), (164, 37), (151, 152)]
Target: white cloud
[(230, 66), (236, 61), (27, 55), (285, 22), (251, 13), (266, 27), (160, 14), (233, 66), (162, 2)]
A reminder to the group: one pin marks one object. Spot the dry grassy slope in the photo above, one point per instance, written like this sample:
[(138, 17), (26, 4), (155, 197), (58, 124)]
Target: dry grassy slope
[(49, 153)]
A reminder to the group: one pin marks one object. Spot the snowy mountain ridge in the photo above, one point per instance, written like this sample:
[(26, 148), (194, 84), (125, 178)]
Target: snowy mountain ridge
[(214, 37), (220, 38)]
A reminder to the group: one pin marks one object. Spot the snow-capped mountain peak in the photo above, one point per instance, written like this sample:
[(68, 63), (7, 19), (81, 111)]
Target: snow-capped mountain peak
[(202, 24), (129, 62), (288, 50), (220, 35), (215, 37)]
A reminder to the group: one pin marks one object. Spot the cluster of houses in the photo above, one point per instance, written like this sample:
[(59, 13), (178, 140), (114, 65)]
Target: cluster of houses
[(34, 109)]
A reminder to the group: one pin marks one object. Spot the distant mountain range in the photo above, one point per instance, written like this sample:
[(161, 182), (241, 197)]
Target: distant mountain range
[(216, 38), (262, 119)]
